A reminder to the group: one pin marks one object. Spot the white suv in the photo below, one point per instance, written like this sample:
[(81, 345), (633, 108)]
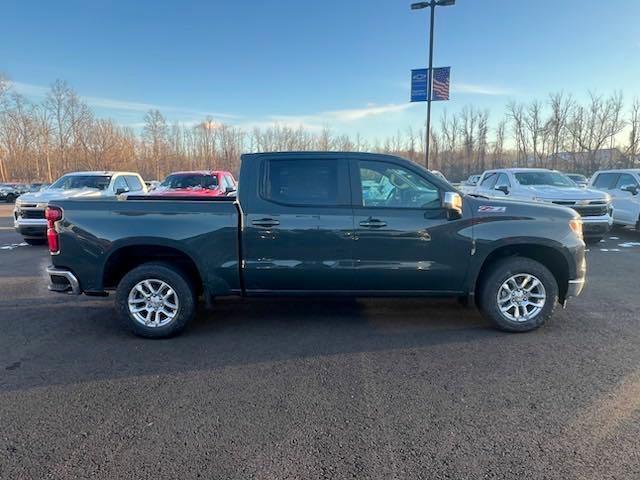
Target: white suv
[(542, 185), (623, 186), (28, 214)]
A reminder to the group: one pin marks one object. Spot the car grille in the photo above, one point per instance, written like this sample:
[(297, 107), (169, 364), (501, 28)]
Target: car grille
[(32, 214), (595, 208)]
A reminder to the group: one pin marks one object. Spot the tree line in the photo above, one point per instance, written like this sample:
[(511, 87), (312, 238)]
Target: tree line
[(42, 140)]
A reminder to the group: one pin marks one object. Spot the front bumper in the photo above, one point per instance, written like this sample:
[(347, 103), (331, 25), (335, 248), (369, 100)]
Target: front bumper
[(30, 227), (63, 281), (575, 287), (596, 226)]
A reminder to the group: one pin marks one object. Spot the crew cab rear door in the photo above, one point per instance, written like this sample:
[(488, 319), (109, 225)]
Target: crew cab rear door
[(298, 229), (404, 242)]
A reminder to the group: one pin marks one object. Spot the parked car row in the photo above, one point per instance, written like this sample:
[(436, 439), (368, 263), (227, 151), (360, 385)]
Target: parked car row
[(9, 192), (29, 212), (609, 197)]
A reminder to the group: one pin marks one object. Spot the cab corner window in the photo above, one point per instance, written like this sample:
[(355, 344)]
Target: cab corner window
[(302, 182), (387, 185)]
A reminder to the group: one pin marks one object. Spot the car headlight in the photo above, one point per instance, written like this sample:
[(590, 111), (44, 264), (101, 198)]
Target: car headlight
[(575, 224)]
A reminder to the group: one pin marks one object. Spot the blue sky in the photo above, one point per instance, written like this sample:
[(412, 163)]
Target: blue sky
[(344, 64)]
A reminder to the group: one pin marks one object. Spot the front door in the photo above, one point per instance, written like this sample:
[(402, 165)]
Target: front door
[(298, 231), (404, 241)]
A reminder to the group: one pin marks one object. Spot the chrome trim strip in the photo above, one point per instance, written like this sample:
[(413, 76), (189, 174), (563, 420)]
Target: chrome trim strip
[(71, 278)]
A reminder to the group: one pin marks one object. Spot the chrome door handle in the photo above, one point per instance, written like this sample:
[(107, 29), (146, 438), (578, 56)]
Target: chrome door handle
[(373, 223), (265, 222)]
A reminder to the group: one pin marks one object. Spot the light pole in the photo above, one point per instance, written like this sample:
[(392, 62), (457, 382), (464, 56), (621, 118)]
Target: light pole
[(419, 6)]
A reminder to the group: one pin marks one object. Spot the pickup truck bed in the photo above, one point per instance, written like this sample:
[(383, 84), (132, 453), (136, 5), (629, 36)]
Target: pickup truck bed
[(154, 228)]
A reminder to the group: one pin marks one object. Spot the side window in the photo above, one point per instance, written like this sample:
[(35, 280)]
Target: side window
[(120, 184), (625, 180), (133, 182), (489, 180), (503, 181), (230, 181), (388, 185), (604, 181), (304, 182)]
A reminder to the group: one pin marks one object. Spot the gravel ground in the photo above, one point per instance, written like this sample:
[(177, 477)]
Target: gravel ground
[(312, 389)]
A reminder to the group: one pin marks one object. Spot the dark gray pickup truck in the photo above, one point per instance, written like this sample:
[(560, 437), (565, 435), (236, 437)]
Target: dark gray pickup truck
[(323, 223)]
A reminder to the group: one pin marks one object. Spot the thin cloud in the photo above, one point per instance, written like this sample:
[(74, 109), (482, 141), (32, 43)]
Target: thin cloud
[(115, 104), (478, 89), (344, 115)]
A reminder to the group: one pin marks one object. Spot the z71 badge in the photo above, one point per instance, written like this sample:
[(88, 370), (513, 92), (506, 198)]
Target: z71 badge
[(491, 209)]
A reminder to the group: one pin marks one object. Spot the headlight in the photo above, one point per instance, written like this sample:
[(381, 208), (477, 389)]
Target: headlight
[(575, 224)]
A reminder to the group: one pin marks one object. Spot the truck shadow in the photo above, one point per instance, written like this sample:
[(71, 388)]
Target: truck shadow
[(88, 344)]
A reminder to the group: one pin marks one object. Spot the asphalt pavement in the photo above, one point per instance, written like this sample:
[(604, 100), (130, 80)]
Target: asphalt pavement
[(276, 389)]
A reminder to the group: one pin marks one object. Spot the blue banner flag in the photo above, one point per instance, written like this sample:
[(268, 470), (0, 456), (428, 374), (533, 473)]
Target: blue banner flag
[(419, 85), (440, 87)]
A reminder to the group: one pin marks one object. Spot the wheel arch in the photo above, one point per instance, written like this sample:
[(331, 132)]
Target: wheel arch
[(550, 256), (127, 257)]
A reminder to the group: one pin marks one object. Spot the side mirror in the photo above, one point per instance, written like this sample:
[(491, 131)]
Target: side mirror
[(229, 190), (121, 190), (503, 188), (633, 189), (452, 203)]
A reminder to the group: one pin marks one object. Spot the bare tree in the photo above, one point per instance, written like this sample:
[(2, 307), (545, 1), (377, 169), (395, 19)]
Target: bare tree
[(155, 134), (592, 126)]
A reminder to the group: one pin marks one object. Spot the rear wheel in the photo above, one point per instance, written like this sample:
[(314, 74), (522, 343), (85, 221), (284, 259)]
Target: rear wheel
[(518, 294), (155, 300)]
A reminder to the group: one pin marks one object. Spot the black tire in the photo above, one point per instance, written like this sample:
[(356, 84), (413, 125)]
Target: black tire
[(172, 276), (494, 279), (10, 198), (592, 240), (35, 241)]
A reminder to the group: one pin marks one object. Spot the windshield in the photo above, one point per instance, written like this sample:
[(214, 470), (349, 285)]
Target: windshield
[(192, 181), (553, 179), (69, 182)]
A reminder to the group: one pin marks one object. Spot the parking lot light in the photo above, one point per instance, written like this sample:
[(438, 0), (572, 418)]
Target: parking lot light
[(419, 6)]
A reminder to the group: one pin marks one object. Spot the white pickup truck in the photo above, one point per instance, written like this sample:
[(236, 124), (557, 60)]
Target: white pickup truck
[(624, 188), (28, 214), (551, 186)]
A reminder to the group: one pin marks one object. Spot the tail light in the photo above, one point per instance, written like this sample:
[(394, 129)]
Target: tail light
[(53, 214)]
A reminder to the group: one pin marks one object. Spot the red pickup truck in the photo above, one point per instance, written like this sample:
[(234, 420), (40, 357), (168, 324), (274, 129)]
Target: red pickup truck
[(206, 183)]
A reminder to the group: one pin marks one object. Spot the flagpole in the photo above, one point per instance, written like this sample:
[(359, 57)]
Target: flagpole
[(429, 85)]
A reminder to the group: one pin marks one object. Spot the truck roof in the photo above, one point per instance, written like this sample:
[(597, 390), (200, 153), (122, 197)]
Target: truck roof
[(520, 170), (101, 173), (620, 170), (199, 172)]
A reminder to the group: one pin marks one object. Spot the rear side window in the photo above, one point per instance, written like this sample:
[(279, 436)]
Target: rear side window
[(304, 182), (134, 182), (604, 181), (489, 180)]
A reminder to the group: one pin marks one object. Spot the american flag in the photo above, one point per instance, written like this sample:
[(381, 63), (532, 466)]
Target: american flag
[(440, 84)]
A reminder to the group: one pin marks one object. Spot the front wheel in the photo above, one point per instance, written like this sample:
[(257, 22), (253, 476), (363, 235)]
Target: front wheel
[(592, 240), (155, 300), (518, 294)]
